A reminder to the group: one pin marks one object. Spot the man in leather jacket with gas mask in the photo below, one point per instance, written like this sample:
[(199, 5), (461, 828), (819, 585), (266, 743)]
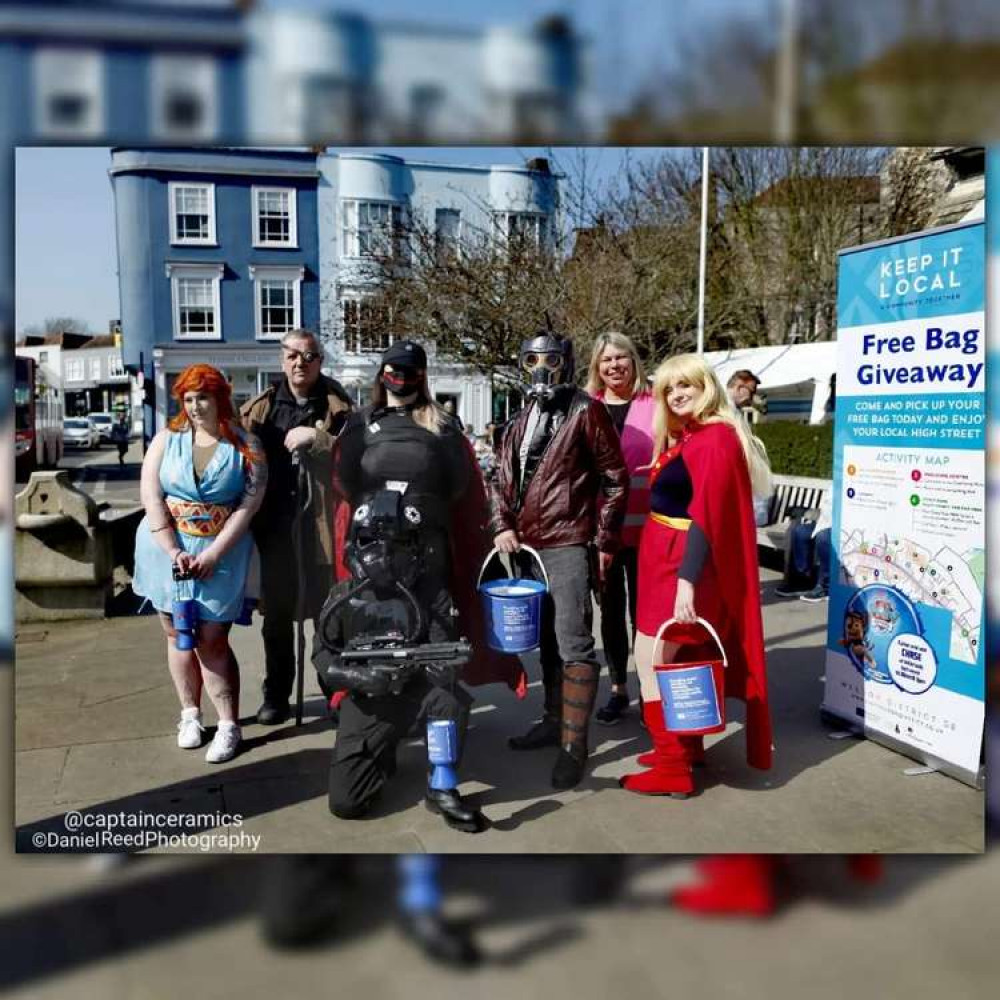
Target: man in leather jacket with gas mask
[(561, 484), (401, 462)]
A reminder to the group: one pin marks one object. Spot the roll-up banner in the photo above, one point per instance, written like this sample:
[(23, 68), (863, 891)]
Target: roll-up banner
[(906, 639)]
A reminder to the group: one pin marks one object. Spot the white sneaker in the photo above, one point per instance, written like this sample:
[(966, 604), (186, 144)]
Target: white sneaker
[(224, 745), (189, 730)]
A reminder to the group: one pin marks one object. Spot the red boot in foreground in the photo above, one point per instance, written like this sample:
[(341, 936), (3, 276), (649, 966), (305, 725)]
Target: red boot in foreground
[(865, 867), (696, 751), (732, 885), (670, 773)]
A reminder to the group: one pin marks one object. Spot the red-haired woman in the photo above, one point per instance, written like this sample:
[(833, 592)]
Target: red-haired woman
[(203, 479)]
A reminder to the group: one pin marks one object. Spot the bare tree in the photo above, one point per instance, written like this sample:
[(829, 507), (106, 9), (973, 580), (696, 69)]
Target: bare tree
[(913, 184), (476, 299), (625, 257), (56, 324), (785, 214)]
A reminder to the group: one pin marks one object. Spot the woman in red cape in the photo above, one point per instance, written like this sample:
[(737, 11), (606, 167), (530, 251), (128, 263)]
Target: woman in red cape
[(698, 558)]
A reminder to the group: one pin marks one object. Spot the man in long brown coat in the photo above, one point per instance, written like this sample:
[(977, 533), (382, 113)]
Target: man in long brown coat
[(303, 413)]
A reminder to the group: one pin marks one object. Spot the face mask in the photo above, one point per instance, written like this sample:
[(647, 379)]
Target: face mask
[(400, 380)]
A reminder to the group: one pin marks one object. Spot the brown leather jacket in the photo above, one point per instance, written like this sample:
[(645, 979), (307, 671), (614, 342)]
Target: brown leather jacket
[(560, 506)]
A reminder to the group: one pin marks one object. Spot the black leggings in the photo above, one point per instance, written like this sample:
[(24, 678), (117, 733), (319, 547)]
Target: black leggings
[(369, 731), (622, 574)]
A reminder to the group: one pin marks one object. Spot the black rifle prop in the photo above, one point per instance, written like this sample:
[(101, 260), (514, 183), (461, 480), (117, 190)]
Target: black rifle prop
[(382, 663)]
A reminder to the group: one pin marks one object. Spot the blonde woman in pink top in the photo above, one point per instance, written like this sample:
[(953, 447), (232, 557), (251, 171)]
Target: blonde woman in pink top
[(616, 377)]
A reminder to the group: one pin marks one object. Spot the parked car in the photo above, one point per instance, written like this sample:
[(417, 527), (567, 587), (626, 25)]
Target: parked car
[(104, 423), (80, 432)]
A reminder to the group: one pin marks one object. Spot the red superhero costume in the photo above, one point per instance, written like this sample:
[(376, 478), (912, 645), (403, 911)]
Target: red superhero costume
[(703, 481)]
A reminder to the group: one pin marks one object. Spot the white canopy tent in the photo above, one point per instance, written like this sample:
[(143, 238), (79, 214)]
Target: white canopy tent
[(795, 378)]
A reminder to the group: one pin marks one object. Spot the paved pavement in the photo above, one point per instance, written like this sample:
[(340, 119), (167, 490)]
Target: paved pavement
[(95, 717), (184, 927)]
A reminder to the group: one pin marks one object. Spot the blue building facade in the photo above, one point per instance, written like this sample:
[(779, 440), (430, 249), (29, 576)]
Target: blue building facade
[(110, 70), (222, 251), (218, 258), (143, 72)]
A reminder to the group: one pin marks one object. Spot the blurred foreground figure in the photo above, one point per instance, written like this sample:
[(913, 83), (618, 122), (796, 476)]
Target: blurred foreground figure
[(745, 884), (306, 901)]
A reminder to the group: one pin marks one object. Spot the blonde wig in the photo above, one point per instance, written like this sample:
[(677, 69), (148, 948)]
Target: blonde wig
[(713, 407)]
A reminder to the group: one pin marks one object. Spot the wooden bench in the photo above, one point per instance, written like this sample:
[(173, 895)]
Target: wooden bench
[(793, 496)]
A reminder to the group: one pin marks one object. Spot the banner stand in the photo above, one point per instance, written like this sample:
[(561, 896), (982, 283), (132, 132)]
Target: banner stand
[(905, 657)]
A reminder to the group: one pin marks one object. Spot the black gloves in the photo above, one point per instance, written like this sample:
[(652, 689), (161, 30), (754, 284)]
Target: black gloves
[(374, 680)]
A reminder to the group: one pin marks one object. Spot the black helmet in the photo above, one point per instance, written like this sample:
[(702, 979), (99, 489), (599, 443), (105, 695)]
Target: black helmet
[(384, 544)]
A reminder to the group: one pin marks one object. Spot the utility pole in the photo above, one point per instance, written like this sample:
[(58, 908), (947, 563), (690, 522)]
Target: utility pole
[(703, 254), (786, 100)]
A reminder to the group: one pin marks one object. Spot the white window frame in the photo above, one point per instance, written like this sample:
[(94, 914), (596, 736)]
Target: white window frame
[(359, 349), (212, 272), (74, 370), (191, 241), (260, 273), (502, 221), (95, 369), (350, 228), (455, 247), (85, 70), (292, 243), (199, 75)]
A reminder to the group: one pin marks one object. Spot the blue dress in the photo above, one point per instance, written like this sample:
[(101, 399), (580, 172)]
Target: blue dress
[(220, 596)]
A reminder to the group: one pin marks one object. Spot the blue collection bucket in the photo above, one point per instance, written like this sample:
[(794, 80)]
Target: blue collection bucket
[(512, 608), (692, 693)]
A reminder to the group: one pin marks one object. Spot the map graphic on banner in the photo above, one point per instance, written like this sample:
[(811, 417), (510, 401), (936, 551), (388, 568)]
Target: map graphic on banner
[(905, 655)]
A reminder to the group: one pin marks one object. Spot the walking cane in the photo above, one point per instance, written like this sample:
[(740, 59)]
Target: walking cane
[(303, 490)]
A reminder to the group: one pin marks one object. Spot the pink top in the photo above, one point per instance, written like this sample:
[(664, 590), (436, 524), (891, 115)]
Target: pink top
[(637, 447)]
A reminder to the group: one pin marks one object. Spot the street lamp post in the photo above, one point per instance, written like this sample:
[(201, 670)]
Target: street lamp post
[(703, 253)]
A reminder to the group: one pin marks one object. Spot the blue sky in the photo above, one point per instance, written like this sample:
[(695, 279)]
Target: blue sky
[(66, 258)]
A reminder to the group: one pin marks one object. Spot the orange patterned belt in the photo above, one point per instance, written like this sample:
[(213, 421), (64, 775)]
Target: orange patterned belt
[(203, 520)]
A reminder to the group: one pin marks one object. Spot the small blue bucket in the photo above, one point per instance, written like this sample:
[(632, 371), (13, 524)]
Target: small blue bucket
[(512, 609), (442, 752)]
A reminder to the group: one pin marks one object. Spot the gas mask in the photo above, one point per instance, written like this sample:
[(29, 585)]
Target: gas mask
[(402, 380), (546, 361)]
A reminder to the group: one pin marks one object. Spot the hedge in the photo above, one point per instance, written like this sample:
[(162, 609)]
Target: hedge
[(798, 449)]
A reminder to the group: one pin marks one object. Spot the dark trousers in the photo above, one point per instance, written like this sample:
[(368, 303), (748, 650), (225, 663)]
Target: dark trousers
[(567, 626), (369, 731), (811, 552), (619, 592), (279, 591), (823, 545)]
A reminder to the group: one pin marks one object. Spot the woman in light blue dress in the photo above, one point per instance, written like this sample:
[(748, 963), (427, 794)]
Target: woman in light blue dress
[(203, 479)]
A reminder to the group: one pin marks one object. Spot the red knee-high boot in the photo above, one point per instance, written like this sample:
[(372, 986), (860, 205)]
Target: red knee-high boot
[(695, 746), (865, 867), (732, 885), (671, 770)]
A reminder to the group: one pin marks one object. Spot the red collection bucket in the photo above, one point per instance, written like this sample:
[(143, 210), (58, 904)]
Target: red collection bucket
[(692, 692)]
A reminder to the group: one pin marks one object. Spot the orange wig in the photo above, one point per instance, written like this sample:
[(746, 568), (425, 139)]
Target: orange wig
[(205, 378)]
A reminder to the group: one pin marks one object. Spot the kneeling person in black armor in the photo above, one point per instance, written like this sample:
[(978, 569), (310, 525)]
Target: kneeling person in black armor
[(389, 635)]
